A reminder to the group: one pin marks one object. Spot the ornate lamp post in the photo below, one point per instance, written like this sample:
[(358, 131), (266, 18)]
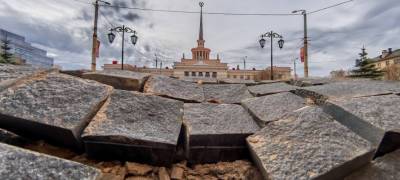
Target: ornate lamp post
[(262, 41), (123, 29)]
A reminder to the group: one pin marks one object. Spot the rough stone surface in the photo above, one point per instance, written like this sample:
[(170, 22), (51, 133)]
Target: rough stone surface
[(349, 89), (376, 118), (266, 89), (11, 74), (308, 144), (304, 82), (237, 81), (226, 93), (138, 169), (16, 163), (132, 121), (384, 168), (125, 80), (216, 132), (273, 107), (174, 88), (54, 106), (202, 80)]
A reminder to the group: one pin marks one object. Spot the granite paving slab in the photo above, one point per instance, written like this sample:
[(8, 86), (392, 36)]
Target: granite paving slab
[(200, 80), (11, 74), (125, 80), (17, 163), (216, 132), (54, 106), (174, 88), (270, 108), (308, 144), (226, 93), (349, 89), (375, 118), (267, 89), (383, 168), (237, 81), (135, 126), (305, 82)]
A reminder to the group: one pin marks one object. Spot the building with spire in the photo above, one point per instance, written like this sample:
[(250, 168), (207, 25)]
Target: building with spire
[(201, 66)]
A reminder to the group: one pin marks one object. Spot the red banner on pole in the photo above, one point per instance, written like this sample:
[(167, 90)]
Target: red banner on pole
[(97, 48), (302, 54)]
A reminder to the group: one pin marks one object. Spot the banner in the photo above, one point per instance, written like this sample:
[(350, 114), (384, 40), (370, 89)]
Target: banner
[(97, 48), (302, 54)]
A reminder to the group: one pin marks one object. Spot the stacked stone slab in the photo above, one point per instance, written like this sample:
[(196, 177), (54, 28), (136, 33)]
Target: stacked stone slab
[(348, 89), (216, 132), (136, 127), (17, 163), (174, 88), (267, 89), (11, 74), (226, 93), (375, 118), (53, 106), (237, 81), (308, 144), (386, 167), (271, 108), (125, 80)]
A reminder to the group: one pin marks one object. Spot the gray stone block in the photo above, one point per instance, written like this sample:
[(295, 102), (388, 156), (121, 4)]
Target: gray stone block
[(237, 81), (12, 74), (267, 89), (226, 93), (17, 163), (308, 144), (383, 168), (198, 80), (375, 118), (55, 107), (136, 127), (349, 89), (270, 108), (174, 88), (305, 82), (125, 80), (216, 132)]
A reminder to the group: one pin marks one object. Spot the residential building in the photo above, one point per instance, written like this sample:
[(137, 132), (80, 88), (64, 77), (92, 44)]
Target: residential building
[(25, 52), (387, 58)]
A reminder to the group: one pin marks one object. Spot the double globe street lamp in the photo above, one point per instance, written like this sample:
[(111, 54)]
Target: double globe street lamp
[(123, 29), (262, 41)]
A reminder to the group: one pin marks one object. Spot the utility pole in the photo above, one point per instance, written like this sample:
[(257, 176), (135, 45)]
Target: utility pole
[(294, 68), (156, 61), (160, 66), (244, 63), (94, 42), (304, 13)]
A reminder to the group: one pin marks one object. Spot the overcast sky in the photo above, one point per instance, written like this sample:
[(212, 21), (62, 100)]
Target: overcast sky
[(64, 29)]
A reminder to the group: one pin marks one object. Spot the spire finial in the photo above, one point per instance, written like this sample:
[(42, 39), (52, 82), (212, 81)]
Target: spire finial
[(201, 21)]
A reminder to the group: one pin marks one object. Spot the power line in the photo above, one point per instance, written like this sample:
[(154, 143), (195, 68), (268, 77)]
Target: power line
[(332, 6)]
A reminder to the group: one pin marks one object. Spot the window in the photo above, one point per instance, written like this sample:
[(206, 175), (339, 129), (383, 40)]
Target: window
[(234, 76), (397, 61), (248, 77), (387, 63), (186, 73), (201, 74), (194, 74), (241, 77), (207, 74), (214, 74)]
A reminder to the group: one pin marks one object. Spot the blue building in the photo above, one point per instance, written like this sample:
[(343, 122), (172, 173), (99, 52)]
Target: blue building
[(25, 51)]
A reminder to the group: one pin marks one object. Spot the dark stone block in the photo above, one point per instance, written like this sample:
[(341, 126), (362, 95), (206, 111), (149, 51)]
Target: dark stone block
[(226, 93), (174, 88), (54, 107), (308, 144), (17, 163), (12, 74), (267, 89), (348, 89), (136, 127), (125, 80), (217, 129), (375, 118), (11, 138), (273, 107), (384, 168)]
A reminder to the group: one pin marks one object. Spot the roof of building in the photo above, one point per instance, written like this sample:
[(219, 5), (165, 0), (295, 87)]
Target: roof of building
[(394, 53)]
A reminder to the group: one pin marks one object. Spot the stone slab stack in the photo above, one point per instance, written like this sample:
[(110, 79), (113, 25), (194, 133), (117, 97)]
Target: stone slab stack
[(125, 80), (135, 126), (267, 89), (216, 132)]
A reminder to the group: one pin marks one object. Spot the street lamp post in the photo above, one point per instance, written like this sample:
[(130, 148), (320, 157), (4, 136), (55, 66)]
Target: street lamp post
[(123, 29), (262, 41), (304, 13)]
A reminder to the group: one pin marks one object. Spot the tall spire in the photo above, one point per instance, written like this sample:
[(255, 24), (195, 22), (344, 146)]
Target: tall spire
[(201, 21)]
